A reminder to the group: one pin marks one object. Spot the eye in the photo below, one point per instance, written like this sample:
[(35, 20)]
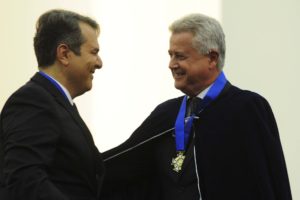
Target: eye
[(180, 57), (95, 51), (177, 56)]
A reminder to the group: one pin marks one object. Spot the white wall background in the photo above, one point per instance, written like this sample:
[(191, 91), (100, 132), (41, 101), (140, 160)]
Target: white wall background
[(262, 49)]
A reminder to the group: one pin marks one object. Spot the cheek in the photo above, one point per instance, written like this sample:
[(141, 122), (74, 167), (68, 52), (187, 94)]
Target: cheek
[(197, 73), (90, 64)]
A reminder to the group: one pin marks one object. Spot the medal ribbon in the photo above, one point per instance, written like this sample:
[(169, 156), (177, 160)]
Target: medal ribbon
[(54, 83), (183, 126)]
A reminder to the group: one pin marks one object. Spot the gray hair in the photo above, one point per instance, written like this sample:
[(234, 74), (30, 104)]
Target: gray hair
[(208, 34)]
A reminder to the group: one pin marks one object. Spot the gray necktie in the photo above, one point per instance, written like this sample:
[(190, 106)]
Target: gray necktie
[(192, 105)]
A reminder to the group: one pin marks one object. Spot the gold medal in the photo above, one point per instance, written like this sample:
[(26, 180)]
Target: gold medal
[(178, 161)]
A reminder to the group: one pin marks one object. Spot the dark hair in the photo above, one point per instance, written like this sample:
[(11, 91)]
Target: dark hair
[(56, 27)]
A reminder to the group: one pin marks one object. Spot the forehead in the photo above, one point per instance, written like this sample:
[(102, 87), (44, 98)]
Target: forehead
[(181, 41)]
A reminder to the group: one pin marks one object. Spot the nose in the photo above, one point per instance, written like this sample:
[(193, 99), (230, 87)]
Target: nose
[(173, 63), (98, 63)]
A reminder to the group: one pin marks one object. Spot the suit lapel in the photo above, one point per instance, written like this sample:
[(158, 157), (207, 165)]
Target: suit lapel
[(72, 110), (39, 79)]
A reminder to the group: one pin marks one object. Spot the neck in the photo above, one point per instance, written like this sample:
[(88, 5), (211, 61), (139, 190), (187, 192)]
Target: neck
[(196, 91)]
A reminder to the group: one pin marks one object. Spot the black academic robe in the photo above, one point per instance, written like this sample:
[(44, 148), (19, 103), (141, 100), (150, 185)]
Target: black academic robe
[(46, 150), (237, 152)]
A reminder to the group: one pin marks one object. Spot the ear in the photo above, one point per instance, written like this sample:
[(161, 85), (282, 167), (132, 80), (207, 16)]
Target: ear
[(213, 58), (63, 54)]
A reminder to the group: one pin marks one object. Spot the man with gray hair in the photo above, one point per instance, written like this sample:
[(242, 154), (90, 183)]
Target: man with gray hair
[(215, 142)]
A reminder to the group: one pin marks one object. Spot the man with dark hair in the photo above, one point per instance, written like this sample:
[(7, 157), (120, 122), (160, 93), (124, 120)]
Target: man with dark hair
[(46, 150), (217, 142)]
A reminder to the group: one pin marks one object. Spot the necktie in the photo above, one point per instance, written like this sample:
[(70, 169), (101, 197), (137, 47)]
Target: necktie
[(192, 105)]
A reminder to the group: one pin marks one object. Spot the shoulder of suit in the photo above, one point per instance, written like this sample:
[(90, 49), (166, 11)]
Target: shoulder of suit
[(30, 92), (171, 103), (241, 97)]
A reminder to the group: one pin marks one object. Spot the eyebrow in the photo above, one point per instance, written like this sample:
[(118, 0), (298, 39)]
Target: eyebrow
[(177, 52)]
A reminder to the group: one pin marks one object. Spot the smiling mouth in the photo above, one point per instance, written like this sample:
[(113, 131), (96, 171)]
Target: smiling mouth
[(178, 74), (92, 75)]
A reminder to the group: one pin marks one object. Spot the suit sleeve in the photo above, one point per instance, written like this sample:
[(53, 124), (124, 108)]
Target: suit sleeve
[(264, 149), (29, 137), (130, 168), (127, 167)]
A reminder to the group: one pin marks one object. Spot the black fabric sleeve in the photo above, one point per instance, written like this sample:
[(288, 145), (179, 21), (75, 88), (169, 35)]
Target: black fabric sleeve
[(130, 167)]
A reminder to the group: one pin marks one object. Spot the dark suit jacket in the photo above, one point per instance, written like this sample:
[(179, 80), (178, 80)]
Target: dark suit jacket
[(47, 152), (237, 150)]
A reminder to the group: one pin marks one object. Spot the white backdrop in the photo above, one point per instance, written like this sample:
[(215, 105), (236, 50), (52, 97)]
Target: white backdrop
[(262, 47)]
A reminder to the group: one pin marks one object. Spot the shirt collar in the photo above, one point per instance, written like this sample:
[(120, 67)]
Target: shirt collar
[(62, 87), (202, 94)]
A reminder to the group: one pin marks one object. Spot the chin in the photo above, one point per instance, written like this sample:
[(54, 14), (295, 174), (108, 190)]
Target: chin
[(183, 89), (179, 86), (89, 86)]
